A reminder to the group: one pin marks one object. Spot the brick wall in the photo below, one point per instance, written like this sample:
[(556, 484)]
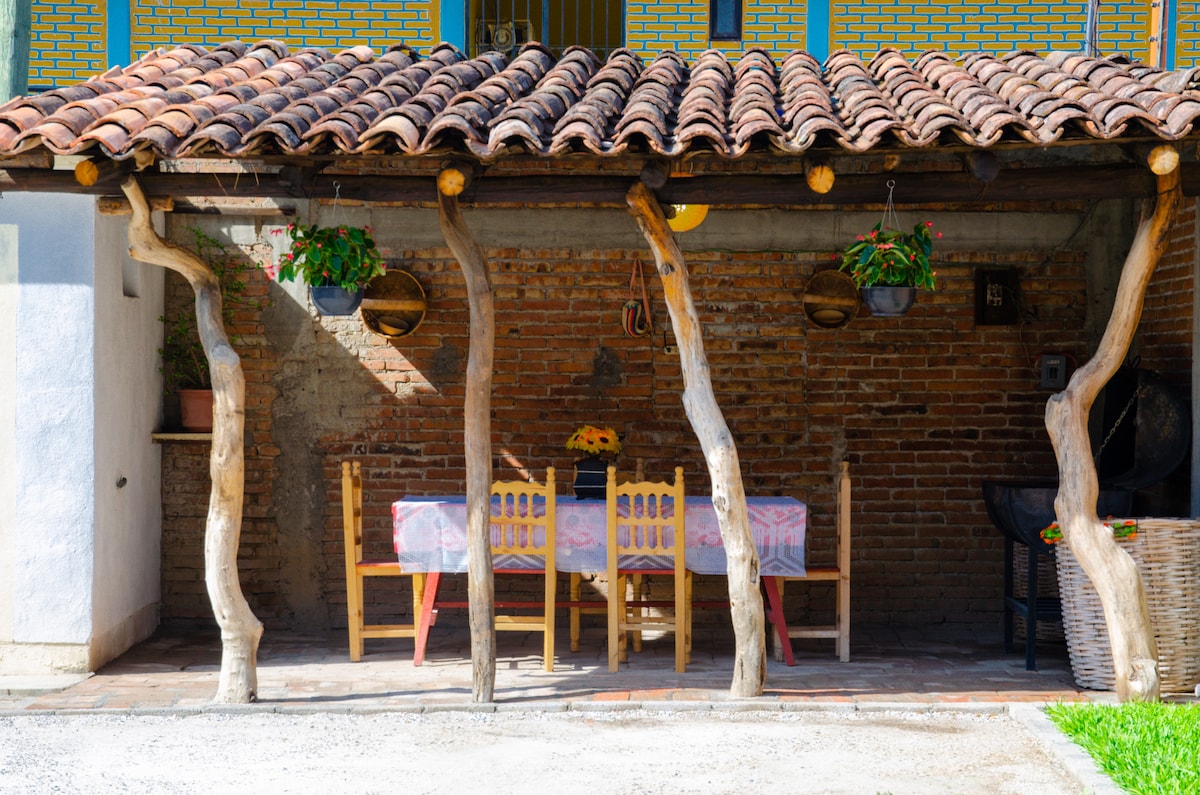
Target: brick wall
[(69, 38), (298, 23), (961, 27), (67, 43), (924, 407)]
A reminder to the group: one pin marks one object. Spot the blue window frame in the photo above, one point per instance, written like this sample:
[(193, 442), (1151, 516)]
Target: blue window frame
[(725, 20)]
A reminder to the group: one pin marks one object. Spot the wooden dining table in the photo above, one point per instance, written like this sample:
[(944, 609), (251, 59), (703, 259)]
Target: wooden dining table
[(430, 535)]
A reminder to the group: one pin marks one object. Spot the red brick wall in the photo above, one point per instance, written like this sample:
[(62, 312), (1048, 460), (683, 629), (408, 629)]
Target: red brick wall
[(924, 407)]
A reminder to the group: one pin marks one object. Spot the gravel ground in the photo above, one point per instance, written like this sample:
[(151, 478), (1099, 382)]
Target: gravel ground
[(527, 751)]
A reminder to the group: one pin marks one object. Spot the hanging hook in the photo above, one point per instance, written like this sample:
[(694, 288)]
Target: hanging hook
[(889, 220)]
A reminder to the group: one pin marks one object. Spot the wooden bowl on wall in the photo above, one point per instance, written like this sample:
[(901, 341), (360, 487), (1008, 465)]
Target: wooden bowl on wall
[(393, 304), (831, 299)]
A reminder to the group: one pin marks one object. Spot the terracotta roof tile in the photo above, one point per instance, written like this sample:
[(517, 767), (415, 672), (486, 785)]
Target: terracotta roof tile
[(260, 99)]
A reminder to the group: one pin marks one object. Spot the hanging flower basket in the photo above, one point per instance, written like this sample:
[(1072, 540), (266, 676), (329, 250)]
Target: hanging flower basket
[(892, 260)]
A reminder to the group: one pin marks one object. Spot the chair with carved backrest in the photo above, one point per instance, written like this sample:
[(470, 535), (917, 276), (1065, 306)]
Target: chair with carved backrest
[(838, 574), (360, 566), (577, 605), (645, 521), (522, 525)]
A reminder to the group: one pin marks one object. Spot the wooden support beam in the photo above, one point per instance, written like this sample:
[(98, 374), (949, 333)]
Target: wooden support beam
[(90, 172), (819, 175), (114, 205), (1059, 183), (240, 630), (984, 166), (478, 440), (720, 451), (1111, 570)]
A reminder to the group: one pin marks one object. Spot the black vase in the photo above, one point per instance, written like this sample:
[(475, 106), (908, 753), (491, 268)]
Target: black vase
[(591, 478)]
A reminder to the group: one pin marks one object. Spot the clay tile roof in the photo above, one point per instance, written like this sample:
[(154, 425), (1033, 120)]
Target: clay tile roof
[(262, 99)]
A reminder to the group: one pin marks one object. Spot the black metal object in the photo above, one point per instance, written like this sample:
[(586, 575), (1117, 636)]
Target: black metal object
[(1021, 510)]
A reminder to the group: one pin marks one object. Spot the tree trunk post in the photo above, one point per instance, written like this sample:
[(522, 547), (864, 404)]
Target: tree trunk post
[(240, 630), (478, 432), (1110, 569), (720, 452)]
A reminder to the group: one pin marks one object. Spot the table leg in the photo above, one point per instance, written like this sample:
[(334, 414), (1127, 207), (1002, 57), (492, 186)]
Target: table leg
[(432, 581), (775, 616)]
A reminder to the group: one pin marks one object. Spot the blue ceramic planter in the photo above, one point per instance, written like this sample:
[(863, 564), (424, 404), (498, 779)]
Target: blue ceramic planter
[(889, 300), (335, 300)]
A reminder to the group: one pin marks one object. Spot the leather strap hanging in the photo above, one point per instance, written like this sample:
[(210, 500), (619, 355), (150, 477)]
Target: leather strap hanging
[(635, 315)]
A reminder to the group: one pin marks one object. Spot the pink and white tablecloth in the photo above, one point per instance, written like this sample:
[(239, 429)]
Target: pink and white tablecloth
[(430, 534)]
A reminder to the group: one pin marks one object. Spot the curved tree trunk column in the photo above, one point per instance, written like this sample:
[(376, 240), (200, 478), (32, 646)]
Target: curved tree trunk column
[(240, 630), (478, 440), (1111, 570), (720, 452)]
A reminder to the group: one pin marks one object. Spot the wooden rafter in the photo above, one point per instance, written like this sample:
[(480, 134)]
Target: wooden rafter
[(1052, 183)]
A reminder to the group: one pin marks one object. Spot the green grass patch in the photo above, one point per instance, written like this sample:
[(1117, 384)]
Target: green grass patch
[(1143, 748)]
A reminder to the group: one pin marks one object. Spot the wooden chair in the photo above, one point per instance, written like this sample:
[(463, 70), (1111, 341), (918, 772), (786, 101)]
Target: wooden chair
[(838, 574), (359, 568), (645, 531), (516, 530), (577, 605)]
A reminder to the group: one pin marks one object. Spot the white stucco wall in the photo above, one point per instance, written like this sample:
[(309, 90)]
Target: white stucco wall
[(8, 375), (126, 588), (78, 401)]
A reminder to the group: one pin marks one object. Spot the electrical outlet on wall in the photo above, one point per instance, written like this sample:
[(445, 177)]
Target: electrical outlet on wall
[(1054, 371)]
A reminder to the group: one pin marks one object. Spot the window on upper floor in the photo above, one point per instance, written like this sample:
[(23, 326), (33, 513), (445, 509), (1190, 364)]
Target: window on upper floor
[(505, 25), (725, 20)]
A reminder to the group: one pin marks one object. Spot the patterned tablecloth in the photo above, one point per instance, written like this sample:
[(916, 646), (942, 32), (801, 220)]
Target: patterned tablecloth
[(430, 534)]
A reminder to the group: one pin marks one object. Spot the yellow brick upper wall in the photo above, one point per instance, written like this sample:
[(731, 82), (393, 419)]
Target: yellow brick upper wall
[(961, 27), (1187, 34), (297, 23), (650, 27), (67, 42)]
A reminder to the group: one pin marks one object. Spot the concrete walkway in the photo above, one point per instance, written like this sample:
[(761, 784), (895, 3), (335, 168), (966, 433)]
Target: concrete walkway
[(178, 669), (911, 712)]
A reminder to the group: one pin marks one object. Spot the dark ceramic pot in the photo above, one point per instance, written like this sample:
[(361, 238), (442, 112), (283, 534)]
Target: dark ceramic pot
[(889, 300), (331, 300)]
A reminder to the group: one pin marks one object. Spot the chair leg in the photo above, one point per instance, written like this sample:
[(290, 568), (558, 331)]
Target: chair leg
[(843, 617), (682, 629), (354, 616), (576, 595), (623, 619), (638, 595), (548, 622), (614, 624)]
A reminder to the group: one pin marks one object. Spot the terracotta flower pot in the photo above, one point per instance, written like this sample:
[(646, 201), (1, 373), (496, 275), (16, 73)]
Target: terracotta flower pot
[(196, 409)]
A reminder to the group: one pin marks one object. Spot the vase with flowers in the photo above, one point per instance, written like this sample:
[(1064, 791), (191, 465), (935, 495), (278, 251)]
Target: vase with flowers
[(336, 262), (889, 265), (599, 446)]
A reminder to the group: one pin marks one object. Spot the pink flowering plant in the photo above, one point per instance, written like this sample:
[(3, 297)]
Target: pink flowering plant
[(891, 257), (322, 256)]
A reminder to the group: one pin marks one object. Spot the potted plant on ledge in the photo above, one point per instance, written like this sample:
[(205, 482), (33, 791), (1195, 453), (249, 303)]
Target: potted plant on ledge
[(599, 446), (336, 262), (890, 265)]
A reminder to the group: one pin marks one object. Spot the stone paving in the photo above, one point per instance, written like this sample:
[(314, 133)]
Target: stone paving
[(178, 669)]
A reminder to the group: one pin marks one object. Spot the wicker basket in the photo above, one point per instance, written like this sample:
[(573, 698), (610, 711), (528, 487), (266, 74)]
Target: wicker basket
[(1167, 553)]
